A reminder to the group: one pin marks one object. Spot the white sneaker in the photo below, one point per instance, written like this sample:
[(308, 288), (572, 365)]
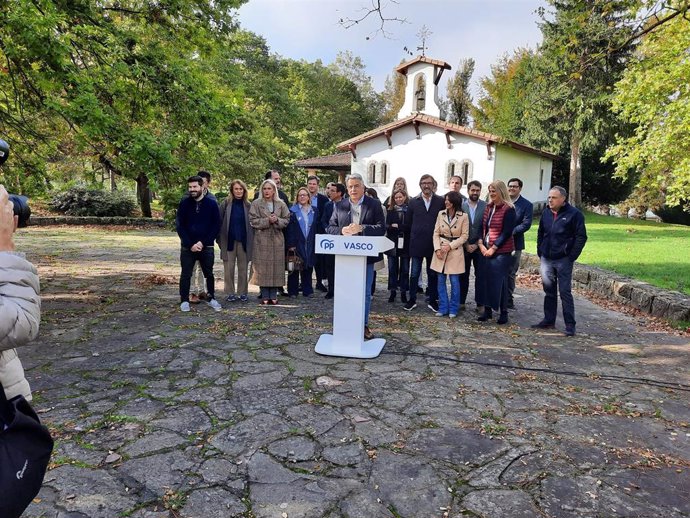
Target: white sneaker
[(215, 304), (184, 307), (452, 315)]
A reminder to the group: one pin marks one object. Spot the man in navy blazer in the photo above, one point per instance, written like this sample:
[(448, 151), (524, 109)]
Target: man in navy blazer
[(422, 212), (523, 218), (318, 201), (336, 192), (474, 208), (359, 215)]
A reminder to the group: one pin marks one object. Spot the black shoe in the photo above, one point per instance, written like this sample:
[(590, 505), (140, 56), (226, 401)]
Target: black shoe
[(510, 305), (433, 306), (420, 289), (488, 315), (328, 296), (321, 287), (503, 319), (569, 330), (542, 325), (410, 305), (403, 297), (392, 296)]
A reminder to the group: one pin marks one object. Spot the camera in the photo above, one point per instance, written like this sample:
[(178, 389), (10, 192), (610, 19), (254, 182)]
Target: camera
[(21, 203)]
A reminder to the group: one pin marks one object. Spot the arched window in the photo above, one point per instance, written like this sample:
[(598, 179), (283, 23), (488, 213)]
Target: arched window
[(420, 92), (452, 169), (466, 168), (371, 172), (382, 176)]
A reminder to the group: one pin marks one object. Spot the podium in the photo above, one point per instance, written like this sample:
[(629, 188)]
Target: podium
[(351, 254)]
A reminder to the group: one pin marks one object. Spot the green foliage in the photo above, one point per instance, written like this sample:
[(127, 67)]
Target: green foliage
[(654, 97), (459, 96), (79, 201)]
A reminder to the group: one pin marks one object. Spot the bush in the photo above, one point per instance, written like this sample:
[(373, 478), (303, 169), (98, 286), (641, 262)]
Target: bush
[(79, 201), (679, 215)]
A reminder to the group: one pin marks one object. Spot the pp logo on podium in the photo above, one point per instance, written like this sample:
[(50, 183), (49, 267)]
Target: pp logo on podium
[(327, 244)]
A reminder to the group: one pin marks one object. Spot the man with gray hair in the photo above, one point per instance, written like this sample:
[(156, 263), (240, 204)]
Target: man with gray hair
[(359, 215), (560, 240)]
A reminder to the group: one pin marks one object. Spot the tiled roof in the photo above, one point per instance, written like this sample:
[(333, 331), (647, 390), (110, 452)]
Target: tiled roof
[(445, 125), (402, 68), (335, 161)]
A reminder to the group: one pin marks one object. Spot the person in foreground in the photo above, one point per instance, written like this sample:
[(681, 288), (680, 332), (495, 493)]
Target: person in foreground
[(20, 304), (496, 245), (359, 215), (560, 239), (450, 233), (198, 224), (268, 216), (301, 237)]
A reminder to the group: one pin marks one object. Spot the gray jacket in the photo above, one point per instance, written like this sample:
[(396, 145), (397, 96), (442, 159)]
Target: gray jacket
[(476, 223), (20, 315)]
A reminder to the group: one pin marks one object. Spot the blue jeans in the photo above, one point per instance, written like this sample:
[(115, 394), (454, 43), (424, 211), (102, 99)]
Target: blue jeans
[(187, 260), (398, 273), (475, 258), (431, 275), (367, 292), (445, 306), (557, 276)]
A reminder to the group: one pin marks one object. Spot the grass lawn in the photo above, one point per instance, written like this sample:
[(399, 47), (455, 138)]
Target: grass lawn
[(656, 253)]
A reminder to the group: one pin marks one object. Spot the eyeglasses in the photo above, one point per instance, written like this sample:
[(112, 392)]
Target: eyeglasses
[(513, 187)]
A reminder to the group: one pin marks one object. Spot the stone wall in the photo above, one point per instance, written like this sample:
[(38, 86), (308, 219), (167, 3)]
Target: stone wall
[(671, 305), (93, 220)]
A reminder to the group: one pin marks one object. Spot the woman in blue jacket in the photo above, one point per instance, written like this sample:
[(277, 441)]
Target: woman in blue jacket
[(301, 237)]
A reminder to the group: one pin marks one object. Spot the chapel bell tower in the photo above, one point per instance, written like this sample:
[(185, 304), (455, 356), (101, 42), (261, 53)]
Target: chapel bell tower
[(422, 76)]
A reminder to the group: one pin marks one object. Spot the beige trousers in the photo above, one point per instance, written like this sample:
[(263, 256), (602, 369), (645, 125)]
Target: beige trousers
[(240, 255)]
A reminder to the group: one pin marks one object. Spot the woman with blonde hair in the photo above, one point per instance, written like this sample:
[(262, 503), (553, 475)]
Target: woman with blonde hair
[(268, 216), (400, 184), (398, 231), (235, 240), (496, 245), (301, 239)]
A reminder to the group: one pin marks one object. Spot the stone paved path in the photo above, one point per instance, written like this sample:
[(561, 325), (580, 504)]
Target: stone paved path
[(201, 415)]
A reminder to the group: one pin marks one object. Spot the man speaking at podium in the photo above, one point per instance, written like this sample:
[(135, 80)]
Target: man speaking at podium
[(359, 215)]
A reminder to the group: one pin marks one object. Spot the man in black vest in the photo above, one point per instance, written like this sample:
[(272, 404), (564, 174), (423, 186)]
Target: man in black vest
[(422, 212)]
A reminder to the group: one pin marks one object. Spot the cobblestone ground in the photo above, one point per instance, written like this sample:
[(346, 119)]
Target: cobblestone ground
[(159, 413)]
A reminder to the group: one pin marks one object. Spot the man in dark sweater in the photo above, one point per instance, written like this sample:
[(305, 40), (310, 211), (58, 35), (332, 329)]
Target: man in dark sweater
[(422, 212), (523, 222), (198, 224), (560, 240)]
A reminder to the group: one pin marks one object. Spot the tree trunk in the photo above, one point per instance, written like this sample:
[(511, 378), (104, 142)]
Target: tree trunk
[(144, 194), (113, 185), (575, 187)]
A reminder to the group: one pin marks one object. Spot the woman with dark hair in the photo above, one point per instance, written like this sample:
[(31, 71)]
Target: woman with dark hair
[(398, 231), (496, 245), (235, 240), (301, 238), (450, 233), (268, 216)]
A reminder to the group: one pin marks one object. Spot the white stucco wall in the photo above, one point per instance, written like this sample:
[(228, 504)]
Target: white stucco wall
[(513, 163), (411, 157)]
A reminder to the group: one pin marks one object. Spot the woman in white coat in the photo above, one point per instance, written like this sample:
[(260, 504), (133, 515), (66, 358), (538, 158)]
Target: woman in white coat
[(20, 304)]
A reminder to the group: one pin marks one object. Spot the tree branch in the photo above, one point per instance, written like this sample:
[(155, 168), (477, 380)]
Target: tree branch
[(376, 10)]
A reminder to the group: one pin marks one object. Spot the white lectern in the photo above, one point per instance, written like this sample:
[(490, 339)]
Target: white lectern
[(351, 254)]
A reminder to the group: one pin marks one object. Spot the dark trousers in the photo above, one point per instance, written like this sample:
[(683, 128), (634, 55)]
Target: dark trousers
[(557, 276), (319, 267), (432, 276), (476, 260), (187, 260), (329, 267), (293, 282), (496, 270), (514, 267), (398, 273)]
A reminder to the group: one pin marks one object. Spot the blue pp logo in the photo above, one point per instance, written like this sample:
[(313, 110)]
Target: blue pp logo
[(327, 244)]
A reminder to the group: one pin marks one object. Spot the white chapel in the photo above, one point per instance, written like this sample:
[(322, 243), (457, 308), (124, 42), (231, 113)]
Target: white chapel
[(420, 142)]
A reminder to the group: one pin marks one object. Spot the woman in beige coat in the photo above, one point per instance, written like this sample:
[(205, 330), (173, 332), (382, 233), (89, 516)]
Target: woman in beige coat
[(268, 216), (450, 233), (20, 304)]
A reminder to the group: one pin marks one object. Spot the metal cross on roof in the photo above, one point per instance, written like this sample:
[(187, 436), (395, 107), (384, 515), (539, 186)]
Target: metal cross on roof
[(424, 33)]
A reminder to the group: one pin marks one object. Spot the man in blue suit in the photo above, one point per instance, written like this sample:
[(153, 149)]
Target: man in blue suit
[(336, 192), (318, 201), (359, 215), (523, 218)]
